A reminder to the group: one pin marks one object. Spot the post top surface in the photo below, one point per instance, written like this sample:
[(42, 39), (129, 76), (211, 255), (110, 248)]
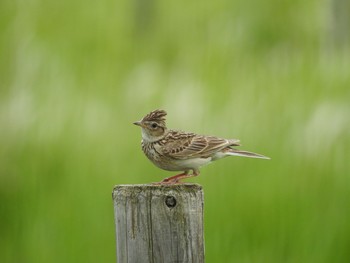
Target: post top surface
[(126, 189)]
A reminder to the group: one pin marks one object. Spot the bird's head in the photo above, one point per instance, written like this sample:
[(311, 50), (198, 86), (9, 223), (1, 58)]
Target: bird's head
[(153, 125)]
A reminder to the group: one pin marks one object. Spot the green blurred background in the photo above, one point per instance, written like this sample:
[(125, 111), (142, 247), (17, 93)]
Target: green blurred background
[(74, 75)]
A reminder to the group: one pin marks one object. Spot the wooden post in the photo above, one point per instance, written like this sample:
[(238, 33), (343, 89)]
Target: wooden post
[(156, 223)]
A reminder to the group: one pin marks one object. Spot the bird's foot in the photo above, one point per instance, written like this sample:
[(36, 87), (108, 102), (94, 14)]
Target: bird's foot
[(168, 181), (175, 179)]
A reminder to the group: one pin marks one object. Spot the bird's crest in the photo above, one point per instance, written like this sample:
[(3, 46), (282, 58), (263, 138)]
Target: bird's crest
[(157, 116)]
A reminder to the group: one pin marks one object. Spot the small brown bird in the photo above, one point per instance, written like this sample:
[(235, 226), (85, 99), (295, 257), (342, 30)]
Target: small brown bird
[(173, 150)]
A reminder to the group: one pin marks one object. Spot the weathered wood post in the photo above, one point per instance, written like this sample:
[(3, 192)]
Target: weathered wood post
[(156, 223)]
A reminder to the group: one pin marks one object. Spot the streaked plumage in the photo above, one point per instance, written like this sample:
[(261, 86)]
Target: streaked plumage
[(183, 151)]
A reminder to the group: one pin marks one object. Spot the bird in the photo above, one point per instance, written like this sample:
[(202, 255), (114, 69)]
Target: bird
[(175, 150)]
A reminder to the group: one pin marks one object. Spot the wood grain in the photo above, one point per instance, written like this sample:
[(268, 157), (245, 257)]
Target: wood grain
[(159, 223)]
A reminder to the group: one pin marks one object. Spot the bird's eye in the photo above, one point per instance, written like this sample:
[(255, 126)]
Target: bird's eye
[(154, 125)]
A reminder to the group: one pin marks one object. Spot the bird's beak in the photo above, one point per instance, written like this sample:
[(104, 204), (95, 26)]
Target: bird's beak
[(138, 123)]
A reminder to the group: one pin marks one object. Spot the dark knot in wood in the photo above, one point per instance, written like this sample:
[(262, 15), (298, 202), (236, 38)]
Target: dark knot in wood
[(170, 201)]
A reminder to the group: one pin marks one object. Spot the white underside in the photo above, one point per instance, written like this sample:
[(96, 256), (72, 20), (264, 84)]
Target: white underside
[(194, 163)]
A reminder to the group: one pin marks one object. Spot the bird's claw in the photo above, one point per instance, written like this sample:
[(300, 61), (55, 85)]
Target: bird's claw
[(168, 181)]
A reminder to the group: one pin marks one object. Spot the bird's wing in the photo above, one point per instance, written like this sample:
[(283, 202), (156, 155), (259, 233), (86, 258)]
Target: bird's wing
[(189, 145)]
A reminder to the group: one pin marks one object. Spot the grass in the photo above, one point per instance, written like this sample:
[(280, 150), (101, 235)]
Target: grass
[(75, 75)]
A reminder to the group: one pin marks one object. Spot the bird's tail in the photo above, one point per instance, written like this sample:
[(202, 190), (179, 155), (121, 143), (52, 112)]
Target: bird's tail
[(236, 152)]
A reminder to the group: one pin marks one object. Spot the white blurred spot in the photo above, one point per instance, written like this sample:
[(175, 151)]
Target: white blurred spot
[(17, 111), (141, 84), (185, 101), (328, 123)]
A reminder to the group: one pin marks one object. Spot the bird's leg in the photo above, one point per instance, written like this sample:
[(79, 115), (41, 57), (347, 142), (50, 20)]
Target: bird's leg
[(176, 178)]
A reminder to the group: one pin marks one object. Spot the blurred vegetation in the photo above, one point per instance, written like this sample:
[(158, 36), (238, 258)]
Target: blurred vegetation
[(74, 75)]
